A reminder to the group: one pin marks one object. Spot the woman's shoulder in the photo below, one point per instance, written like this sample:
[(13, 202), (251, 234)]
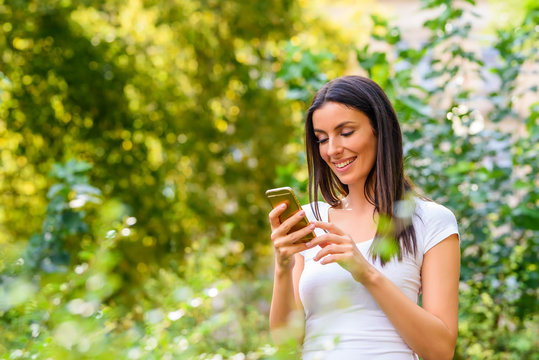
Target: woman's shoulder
[(433, 222), (426, 208)]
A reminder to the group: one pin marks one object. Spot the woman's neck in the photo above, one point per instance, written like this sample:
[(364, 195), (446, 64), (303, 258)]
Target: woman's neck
[(356, 200)]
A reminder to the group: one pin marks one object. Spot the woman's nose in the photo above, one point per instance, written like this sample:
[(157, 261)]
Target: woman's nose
[(335, 147)]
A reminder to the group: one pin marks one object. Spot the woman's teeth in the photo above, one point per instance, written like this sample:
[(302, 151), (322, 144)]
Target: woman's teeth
[(344, 163)]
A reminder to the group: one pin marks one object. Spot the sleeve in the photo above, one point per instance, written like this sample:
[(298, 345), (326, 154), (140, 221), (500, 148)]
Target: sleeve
[(309, 253), (439, 223), (309, 213)]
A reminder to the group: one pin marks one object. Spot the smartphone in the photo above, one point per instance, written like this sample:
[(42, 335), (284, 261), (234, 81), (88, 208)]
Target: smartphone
[(286, 195)]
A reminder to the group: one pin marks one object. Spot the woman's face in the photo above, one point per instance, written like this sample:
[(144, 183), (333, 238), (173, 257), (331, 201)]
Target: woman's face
[(346, 141)]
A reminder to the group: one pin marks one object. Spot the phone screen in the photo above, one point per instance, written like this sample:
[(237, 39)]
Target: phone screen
[(286, 195)]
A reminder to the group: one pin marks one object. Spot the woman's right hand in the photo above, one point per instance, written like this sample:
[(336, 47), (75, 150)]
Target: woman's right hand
[(285, 244)]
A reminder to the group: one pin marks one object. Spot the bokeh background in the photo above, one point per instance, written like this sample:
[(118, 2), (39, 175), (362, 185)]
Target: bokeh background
[(137, 139)]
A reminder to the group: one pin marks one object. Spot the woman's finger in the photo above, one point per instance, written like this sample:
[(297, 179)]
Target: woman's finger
[(274, 215), (330, 250), (332, 228), (286, 225), (296, 236), (328, 239), (334, 258), (291, 250)]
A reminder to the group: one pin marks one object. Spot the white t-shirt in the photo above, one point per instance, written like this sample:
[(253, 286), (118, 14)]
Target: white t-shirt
[(342, 319)]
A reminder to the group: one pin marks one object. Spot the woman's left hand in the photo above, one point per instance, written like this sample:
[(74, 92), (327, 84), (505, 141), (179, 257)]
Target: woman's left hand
[(340, 248)]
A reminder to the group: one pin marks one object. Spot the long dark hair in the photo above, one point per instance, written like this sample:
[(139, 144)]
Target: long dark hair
[(386, 183)]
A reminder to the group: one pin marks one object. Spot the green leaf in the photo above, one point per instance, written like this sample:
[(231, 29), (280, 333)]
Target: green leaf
[(57, 188), (526, 218), (461, 167), (86, 189)]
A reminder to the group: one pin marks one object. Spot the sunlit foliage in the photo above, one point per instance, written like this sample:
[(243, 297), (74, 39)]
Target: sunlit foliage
[(173, 102), (156, 245)]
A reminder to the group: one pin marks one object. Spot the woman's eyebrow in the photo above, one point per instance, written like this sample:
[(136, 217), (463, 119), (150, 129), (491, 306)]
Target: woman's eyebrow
[(343, 124)]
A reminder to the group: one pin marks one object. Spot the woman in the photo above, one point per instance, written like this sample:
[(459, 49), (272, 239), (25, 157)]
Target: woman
[(356, 287)]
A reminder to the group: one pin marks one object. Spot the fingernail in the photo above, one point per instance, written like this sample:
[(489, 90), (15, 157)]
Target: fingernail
[(301, 213), (308, 244), (283, 206), (312, 226)]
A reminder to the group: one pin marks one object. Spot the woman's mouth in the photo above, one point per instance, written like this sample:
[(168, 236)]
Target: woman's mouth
[(344, 165)]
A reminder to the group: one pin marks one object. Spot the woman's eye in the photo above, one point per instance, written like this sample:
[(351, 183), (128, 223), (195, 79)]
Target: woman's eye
[(321, 141), (348, 133)]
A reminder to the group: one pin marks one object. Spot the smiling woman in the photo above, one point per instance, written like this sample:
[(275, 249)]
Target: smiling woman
[(377, 142), (346, 141), (383, 244)]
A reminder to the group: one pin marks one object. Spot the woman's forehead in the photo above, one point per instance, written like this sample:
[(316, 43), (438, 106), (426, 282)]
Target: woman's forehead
[(334, 114)]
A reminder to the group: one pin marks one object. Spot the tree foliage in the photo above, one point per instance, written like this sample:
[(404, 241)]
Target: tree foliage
[(173, 103), (154, 243), (469, 163)]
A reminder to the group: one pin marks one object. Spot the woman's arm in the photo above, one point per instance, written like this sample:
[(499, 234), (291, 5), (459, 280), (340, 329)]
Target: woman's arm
[(286, 313), (431, 330)]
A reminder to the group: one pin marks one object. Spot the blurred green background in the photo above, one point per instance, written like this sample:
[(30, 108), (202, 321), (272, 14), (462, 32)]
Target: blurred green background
[(137, 139)]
